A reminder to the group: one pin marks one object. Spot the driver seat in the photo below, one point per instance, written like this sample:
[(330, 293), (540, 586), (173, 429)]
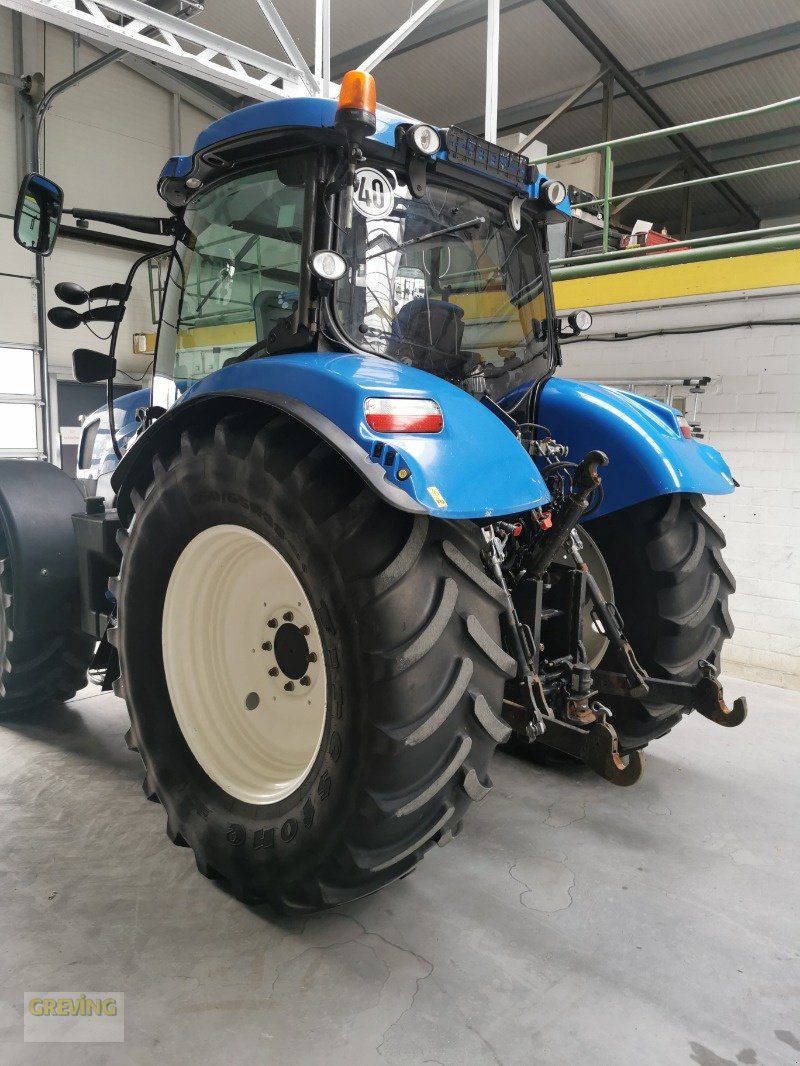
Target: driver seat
[(428, 333)]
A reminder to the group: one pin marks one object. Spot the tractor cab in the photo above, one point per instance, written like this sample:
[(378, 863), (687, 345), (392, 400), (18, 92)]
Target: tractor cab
[(302, 227)]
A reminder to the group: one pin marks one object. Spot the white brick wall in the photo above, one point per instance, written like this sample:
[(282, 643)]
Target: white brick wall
[(751, 412)]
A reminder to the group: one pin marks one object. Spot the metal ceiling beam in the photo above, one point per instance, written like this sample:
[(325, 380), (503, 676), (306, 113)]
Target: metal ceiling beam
[(322, 45), (210, 99), (288, 44), (692, 64), (718, 57), (654, 180), (393, 42), (565, 105), (592, 43), (459, 17), (208, 55), (722, 152)]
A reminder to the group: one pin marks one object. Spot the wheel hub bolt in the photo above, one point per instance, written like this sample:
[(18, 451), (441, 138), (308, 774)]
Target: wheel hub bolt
[(273, 623), (288, 616), (267, 645), (274, 671), (306, 681), (289, 686), (305, 630), (312, 656)]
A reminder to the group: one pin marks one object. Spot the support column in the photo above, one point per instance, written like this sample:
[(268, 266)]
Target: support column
[(607, 113), (26, 62), (175, 124), (686, 207), (492, 68)]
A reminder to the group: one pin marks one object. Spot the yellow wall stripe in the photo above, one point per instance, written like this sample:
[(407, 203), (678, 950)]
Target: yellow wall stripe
[(766, 270)]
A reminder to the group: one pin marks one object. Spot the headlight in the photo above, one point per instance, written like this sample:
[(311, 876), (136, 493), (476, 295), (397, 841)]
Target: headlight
[(424, 139), (555, 192), (580, 321)]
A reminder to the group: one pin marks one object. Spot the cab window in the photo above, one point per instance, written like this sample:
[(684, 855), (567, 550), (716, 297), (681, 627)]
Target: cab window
[(236, 274)]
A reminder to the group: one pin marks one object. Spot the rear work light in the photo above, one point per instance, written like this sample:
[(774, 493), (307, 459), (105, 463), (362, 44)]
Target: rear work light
[(399, 414)]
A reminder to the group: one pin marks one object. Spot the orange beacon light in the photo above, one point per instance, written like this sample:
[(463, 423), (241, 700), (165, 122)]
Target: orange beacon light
[(357, 103)]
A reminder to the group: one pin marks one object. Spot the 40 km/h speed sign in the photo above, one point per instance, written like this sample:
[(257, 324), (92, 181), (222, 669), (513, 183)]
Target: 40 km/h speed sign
[(372, 194)]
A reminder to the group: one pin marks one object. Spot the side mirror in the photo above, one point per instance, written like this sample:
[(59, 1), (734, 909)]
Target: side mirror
[(38, 214), (90, 366), (68, 318), (69, 292), (64, 317)]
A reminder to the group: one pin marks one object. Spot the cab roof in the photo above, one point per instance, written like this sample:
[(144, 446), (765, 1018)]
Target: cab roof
[(493, 162), (297, 112)]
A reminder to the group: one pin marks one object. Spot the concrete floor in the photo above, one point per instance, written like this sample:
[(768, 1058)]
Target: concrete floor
[(571, 923)]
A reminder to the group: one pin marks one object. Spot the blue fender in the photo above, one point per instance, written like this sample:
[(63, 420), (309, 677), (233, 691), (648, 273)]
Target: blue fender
[(648, 455), (473, 468)]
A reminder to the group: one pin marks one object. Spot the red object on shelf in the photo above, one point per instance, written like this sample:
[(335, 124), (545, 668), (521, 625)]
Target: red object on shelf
[(652, 239)]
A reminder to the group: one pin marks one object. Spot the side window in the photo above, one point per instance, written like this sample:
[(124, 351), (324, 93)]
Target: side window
[(239, 269)]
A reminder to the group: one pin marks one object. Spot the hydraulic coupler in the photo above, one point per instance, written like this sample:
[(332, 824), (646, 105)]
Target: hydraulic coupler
[(584, 482)]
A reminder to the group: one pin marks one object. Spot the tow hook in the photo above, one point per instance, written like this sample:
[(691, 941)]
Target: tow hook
[(597, 747), (711, 700), (705, 697), (601, 754)]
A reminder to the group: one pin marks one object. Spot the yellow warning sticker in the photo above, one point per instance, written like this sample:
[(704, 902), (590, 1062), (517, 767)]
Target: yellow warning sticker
[(436, 496)]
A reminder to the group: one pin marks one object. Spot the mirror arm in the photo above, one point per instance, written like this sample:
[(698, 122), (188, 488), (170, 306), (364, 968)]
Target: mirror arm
[(115, 331), (164, 227)]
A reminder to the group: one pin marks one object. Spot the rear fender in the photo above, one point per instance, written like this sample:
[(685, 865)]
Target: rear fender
[(37, 501), (648, 455), (474, 468)]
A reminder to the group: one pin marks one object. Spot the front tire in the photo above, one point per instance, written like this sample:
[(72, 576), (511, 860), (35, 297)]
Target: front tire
[(671, 587), (398, 710)]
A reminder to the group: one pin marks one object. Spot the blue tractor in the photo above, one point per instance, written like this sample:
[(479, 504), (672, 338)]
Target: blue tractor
[(357, 533)]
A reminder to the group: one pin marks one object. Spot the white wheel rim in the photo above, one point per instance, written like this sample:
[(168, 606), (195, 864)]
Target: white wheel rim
[(236, 632)]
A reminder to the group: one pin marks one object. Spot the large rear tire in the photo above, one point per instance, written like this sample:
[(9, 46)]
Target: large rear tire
[(39, 668), (671, 587), (397, 687)]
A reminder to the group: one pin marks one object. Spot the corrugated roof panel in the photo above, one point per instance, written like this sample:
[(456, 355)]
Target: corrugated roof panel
[(738, 88), (772, 186), (444, 81), (640, 32), (576, 128)]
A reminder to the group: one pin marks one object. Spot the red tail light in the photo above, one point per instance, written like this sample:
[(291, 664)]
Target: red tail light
[(400, 414), (684, 427)]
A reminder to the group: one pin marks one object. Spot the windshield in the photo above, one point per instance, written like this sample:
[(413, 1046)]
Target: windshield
[(236, 273), (443, 282)]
